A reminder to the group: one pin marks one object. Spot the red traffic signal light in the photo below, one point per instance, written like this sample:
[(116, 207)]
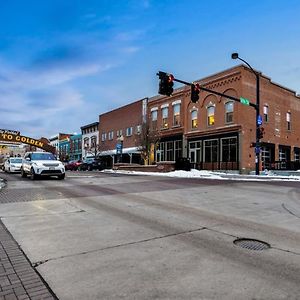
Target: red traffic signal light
[(166, 83), (260, 132), (195, 90)]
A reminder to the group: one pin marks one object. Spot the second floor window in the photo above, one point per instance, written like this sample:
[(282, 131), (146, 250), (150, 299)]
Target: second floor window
[(154, 115), (154, 119), (164, 113), (86, 143), (138, 129), (210, 115), (194, 117), (93, 141), (266, 113), (103, 137), (110, 135), (288, 120), (119, 133), (176, 114), (129, 131), (229, 112)]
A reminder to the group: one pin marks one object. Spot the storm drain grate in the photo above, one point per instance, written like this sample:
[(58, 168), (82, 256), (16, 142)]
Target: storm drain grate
[(251, 244)]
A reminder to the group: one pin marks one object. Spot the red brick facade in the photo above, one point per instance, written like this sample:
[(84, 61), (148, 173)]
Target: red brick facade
[(121, 124)]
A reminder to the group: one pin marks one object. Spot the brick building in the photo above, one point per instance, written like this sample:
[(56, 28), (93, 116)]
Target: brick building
[(118, 131), (216, 133)]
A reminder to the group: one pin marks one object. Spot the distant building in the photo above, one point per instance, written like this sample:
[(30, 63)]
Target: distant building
[(56, 139), (75, 147), (64, 149), (118, 130), (90, 140)]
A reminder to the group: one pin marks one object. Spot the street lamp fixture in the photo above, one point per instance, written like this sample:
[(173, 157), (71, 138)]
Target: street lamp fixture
[(234, 55), (257, 143)]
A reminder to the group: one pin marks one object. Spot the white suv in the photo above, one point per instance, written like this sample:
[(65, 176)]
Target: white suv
[(41, 164)]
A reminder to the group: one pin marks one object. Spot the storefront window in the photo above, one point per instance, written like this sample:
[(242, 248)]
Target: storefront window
[(229, 149), (296, 154), (170, 150), (266, 157), (211, 150), (178, 149)]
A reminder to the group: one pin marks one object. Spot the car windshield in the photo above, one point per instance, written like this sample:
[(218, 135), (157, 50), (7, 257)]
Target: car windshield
[(42, 156), (16, 160)]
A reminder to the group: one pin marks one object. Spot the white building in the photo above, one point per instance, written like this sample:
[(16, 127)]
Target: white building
[(90, 139), (54, 141)]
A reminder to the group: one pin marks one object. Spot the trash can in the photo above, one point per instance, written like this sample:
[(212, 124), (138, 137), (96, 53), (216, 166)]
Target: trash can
[(183, 163)]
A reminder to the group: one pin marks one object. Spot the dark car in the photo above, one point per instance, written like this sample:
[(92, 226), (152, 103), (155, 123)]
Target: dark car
[(91, 164), (73, 165)]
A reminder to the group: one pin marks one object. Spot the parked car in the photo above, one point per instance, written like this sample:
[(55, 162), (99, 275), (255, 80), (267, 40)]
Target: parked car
[(91, 164), (13, 164), (73, 165), (41, 164)]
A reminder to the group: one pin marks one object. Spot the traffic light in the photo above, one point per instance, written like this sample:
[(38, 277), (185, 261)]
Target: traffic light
[(195, 90), (166, 83), (260, 132)]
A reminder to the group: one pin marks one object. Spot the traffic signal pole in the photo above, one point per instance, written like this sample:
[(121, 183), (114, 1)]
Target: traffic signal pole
[(257, 145)]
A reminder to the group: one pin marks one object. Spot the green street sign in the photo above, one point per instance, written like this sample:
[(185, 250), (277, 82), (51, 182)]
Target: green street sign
[(244, 101)]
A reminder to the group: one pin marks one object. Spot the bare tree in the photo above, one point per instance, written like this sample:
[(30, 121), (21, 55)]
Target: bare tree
[(145, 140), (95, 150)]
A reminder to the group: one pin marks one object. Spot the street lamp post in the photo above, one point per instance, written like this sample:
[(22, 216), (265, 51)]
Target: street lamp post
[(257, 142)]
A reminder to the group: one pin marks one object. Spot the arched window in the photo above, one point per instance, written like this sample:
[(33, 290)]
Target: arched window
[(86, 142), (229, 112), (93, 141), (194, 118), (211, 115)]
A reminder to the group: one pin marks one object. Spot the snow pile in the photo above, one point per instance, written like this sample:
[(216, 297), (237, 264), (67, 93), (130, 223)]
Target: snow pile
[(210, 175)]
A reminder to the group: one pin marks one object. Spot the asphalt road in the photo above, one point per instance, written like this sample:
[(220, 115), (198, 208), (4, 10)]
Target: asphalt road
[(109, 236)]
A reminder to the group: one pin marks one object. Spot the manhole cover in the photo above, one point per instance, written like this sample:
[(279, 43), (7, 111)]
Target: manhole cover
[(252, 244)]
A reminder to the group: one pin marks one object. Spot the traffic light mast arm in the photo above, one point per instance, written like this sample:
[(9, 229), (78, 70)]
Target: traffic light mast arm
[(227, 96), (210, 91)]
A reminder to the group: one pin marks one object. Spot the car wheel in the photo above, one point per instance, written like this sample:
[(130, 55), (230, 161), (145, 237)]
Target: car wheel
[(23, 174), (90, 168), (33, 176), (62, 176)]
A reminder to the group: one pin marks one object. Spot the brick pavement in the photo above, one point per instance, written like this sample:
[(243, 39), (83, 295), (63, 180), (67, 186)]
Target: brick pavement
[(18, 279)]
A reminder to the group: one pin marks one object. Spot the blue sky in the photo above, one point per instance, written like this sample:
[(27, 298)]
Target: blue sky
[(62, 63)]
